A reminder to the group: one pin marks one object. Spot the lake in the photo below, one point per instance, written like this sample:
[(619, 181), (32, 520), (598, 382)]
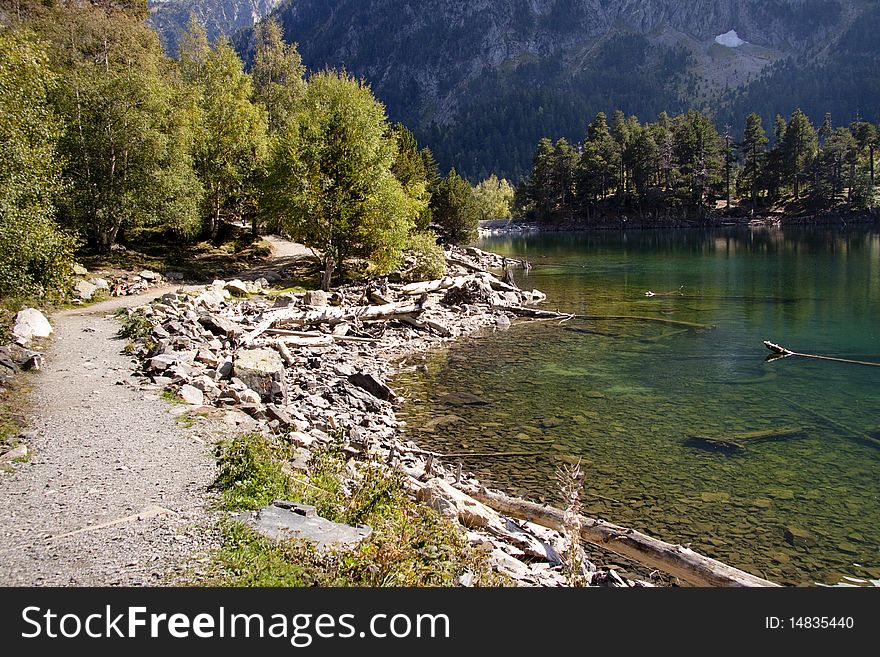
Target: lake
[(625, 397)]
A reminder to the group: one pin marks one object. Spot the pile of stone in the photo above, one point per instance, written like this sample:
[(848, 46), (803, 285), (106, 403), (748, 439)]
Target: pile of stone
[(30, 325), (312, 367), (86, 286), (476, 259)]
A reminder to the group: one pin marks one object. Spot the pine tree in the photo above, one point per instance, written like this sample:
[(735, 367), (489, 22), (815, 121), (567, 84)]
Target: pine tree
[(455, 209), (798, 149), (753, 148), (698, 149)]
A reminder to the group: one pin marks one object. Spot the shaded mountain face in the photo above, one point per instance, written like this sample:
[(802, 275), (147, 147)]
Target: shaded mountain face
[(220, 17), (480, 81)]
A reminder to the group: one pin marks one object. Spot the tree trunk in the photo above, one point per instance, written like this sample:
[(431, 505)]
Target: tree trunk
[(676, 560), (106, 239), (329, 268), (214, 219)]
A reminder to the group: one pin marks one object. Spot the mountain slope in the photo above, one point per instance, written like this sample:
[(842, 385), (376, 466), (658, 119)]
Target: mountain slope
[(220, 17), (480, 81)]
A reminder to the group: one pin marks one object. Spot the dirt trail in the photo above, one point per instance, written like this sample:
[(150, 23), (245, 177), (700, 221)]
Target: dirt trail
[(116, 489)]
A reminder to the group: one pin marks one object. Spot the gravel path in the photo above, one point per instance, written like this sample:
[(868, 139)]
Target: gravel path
[(282, 248), (116, 489)]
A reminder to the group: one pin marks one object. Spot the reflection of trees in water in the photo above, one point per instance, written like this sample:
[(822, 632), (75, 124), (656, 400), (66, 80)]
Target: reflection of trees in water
[(736, 240)]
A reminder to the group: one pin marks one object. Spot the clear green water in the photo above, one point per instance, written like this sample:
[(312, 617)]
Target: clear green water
[(625, 396)]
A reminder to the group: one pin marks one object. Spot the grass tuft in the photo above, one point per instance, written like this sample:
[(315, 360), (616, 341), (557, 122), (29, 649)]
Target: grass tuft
[(411, 545)]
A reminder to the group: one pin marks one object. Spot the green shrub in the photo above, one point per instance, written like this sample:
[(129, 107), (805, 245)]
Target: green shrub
[(249, 473), (430, 262), (135, 326), (411, 544)]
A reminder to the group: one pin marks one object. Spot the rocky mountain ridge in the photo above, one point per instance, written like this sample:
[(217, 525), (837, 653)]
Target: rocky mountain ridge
[(481, 81)]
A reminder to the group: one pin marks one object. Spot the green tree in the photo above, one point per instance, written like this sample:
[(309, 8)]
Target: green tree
[(494, 197), (754, 151), (232, 143), (798, 150), (541, 183), (35, 256), (663, 137), (835, 166), (127, 143), (643, 153), (600, 161), (698, 150), (330, 182), (867, 139), (455, 209), (277, 75), (411, 169)]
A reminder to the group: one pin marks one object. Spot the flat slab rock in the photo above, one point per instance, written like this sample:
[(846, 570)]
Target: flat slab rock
[(292, 520)]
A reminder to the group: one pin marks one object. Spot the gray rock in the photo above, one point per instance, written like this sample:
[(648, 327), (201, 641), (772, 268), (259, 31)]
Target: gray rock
[(237, 288), (224, 369), (19, 452), (259, 369), (300, 459), (285, 300), (278, 413), (316, 298), (30, 323), (79, 270), (151, 276), (192, 395), (100, 283), (292, 520), (372, 385), (84, 290), (463, 399), (221, 326), (210, 298), (502, 322), (161, 363), (799, 537)]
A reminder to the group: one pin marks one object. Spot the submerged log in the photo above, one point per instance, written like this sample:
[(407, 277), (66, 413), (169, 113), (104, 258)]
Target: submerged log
[(860, 436), (549, 314), (739, 440), (676, 560)]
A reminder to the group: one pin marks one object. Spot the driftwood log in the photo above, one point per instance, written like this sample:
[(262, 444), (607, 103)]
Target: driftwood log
[(676, 560), (550, 314), (740, 440), (331, 316)]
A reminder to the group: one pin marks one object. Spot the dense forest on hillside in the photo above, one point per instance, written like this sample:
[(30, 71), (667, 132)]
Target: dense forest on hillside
[(479, 81), (681, 167)]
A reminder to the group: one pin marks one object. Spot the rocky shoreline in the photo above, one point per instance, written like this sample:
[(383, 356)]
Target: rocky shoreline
[(310, 369)]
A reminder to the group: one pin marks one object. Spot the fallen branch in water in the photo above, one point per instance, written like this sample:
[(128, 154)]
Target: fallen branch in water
[(739, 440), (549, 314), (784, 353), (861, 436)]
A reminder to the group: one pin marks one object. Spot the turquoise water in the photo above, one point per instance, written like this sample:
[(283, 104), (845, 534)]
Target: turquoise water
[(624, 397)]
